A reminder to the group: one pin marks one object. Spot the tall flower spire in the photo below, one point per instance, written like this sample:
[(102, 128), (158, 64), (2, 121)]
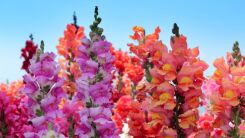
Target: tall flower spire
[(27, 53), (171, 97), (68, 49), (225, 91), (95, 85), (43, 88)]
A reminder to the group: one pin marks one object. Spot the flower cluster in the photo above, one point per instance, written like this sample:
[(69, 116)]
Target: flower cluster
[(68, 48), (27, 53), (128, 72), (13, 114), (173, 88), (68, 45), (44, 90), (96, 91), (225, 93), (94, 86)]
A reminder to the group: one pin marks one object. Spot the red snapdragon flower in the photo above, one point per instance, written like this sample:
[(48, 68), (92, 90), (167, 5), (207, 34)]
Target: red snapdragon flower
[(27, 53)]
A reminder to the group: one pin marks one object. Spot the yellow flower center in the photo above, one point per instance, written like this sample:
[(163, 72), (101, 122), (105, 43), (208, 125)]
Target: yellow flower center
[(167, 67), (186, 81), (164, 97), (229, 94)]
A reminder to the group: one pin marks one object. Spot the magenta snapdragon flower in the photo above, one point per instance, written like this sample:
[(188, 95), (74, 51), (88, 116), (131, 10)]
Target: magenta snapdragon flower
[(44, 90), (13, 115), (95, 85)]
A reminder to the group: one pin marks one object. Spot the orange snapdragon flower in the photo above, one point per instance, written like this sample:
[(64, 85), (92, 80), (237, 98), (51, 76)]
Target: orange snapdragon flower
[(71, 40), (188, 119), (11, 89)]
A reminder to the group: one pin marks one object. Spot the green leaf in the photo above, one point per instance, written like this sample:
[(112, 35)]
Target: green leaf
[(39, 98), (99, 77), (50, 126), (39, 112)]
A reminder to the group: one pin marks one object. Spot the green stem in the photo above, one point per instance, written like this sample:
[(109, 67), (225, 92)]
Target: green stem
[(133, 91), (177, 112), (3, 129), (119, 86), (69, 74), (90, 104), (236, 120), (147, 67), (96, 133), (71, 131)]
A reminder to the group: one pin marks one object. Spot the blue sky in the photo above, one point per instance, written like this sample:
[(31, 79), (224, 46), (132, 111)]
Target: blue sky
[(211, 25)]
